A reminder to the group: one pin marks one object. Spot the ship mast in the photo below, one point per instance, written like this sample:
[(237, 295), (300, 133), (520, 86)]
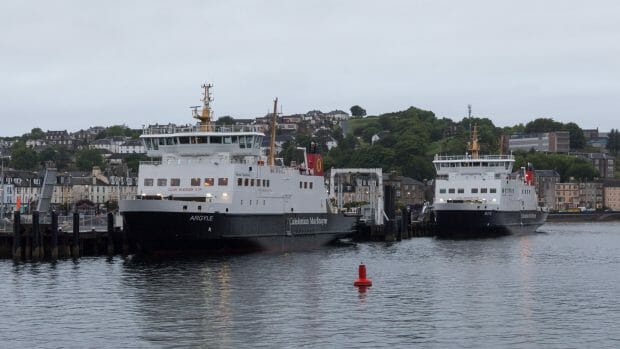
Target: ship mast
[(474, 146), (272, 141), (205, 115)]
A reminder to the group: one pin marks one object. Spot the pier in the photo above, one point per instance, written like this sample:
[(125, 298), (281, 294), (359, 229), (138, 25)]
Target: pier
[(39, 238)]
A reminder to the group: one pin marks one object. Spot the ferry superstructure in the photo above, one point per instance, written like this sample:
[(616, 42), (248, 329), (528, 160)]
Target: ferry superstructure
[(212, 190), (479, 195)]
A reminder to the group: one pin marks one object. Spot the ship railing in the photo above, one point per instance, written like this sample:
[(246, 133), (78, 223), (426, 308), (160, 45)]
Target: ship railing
[(468, 157), (171, 129)]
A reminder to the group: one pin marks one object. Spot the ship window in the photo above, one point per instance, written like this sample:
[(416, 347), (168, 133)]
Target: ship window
[(474, 190), (222, 181), (155, 146), (305, 185), (148, 182), (252, 182), (209, 182), (184, 140), (442, 191), (227, 140), (162, 182), (264, 182), (268, 183), (483, 190), (175, 182), (258, 182), (195, 182), (239, 181), (461, 190), (310, 185), (451, 191), (216, 139), (300, 185), (162, 141), (169, 141), (485, 164), (493, 190), (246, 182), (257, 141), (234, 139), (201, 139)]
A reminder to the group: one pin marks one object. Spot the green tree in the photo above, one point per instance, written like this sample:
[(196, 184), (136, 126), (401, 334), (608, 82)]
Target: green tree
[(37, 133), (577, 138), (541, 125), (225, 120), (22, 157), (133, 161), (358, 111), (87, 158)]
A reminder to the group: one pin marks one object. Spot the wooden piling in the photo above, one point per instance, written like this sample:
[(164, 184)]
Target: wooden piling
[(75, 246), (54, 241), (36, 237), (17, 236), (110, 234)]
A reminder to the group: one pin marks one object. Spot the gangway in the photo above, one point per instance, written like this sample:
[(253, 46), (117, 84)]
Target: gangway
[(47, 190)]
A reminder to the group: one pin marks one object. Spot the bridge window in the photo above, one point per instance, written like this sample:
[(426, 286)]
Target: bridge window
[(148, 182), (442, 191), (216, 139), (451, 191), (175, 182), (258, 182), (195, 182), (493, 190), (474, 190), (222, 181), (209, 182), (483, 190), (310, 185), (162, 182), (461, 190), (246, 182), (252, 182), (183, 140)]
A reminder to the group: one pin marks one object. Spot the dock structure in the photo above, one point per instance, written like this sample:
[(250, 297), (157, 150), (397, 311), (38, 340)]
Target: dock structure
[(44, 240), (380, 220)]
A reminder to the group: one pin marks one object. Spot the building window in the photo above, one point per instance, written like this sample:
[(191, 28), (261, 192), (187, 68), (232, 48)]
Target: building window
[(222, 181), (175, 182), (148, 182), (162, 182)]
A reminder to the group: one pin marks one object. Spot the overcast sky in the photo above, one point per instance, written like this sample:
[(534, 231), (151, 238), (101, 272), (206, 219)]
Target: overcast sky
[(74, 64)]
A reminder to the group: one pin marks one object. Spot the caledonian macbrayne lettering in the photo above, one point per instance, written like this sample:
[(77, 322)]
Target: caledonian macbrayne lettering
[(308, 220)]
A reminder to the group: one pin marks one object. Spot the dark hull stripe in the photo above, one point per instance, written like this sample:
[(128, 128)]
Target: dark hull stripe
[(216, 232), (465, 224)]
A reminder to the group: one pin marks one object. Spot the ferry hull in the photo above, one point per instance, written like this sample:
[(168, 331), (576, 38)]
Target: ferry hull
[(482, 223), (161, 232)]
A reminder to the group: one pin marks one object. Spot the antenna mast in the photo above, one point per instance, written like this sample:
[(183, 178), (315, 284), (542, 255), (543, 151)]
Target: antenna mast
[(205, 115), (272, 141)]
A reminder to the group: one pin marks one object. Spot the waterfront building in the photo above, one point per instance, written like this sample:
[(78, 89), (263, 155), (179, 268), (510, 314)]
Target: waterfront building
[(545, 187), (132, 146), (551, 142), (409, 192), (579, 195), (612, 197), (604, 163)]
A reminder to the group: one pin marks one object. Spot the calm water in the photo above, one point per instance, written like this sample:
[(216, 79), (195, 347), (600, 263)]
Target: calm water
[(557, 289)]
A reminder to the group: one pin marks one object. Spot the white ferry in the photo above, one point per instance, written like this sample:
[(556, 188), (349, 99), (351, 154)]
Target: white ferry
[(212, 190), (480, 195)]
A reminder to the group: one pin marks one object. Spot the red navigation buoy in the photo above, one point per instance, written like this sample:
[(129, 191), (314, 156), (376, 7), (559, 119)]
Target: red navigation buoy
[(362, 281)]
